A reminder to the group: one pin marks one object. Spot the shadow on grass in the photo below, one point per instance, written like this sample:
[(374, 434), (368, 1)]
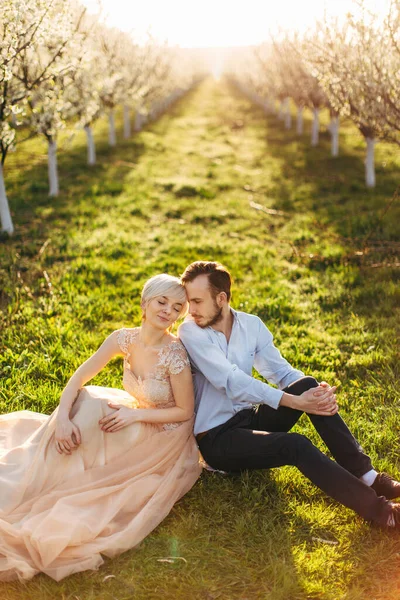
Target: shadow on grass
[(28, 190), (332, 188)]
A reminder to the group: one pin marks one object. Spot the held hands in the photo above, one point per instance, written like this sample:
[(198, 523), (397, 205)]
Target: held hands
[(67, 436), (120, 418), (320, 400)]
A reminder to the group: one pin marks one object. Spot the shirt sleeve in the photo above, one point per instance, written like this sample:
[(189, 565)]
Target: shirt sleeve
[(225, 376), (269, 362)]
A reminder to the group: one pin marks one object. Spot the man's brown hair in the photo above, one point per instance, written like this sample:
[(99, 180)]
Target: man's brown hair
[(219, 278)]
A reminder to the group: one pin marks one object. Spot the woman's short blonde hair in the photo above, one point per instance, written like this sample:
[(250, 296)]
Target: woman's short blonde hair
[(164, 285)]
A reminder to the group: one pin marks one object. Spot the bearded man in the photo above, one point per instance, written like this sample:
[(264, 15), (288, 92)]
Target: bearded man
[(243, 423)]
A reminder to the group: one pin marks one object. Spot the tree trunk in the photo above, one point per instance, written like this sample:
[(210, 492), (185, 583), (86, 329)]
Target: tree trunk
[(127, 123), (300, 122), (138, 121), (315, 128), (91, 150), (334, 131), (288, 115), (112, 138), (370, 162), (53, 174), (5, 215)]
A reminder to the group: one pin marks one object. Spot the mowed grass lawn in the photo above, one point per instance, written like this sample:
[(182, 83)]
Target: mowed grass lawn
[(321, 273)]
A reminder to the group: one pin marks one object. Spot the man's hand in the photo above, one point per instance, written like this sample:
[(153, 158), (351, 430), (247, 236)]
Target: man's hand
[(120, 418), (319, 400), (67, 436)]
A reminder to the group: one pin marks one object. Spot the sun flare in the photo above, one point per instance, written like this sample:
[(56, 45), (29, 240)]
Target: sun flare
[(220, 23)]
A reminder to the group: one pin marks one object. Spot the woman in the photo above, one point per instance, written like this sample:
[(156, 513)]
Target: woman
[(107, 466)]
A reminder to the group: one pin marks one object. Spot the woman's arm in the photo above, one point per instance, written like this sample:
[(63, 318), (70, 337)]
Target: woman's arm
[(67, 434), (182, 388)]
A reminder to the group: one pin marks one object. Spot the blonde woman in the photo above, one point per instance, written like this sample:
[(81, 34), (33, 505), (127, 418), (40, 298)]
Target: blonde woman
[(106, 467)]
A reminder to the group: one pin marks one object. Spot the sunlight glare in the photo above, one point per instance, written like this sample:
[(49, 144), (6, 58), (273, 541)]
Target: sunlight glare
[(220, 23)]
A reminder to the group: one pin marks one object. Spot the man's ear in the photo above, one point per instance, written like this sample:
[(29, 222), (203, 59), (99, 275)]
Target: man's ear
[(221, 298)]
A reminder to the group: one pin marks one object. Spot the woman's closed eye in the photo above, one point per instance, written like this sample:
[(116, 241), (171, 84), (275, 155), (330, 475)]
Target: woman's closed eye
[(176, 308)]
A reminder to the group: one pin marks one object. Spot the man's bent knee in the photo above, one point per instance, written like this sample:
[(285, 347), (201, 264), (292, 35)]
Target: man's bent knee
[(302, 385)]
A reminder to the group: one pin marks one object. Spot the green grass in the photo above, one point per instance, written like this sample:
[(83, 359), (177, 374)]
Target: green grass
[(181, 191)]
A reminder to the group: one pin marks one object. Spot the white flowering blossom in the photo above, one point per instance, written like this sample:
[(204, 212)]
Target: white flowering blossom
[(59, 67), (358, 65), (21, 23)]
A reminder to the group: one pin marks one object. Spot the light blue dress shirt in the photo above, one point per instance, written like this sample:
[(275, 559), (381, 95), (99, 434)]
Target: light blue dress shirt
[(223, 380)]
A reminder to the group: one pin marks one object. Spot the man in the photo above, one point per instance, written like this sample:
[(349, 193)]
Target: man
[(243, 423)]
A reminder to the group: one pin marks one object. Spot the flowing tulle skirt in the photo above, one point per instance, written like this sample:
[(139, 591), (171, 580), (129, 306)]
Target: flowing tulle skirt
[(60, 513)]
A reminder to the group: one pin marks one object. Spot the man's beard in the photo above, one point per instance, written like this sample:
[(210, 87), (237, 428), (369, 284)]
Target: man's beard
[(214, 319)]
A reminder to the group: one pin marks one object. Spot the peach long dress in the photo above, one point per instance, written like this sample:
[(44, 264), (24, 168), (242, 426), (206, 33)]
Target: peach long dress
[(59, 514)]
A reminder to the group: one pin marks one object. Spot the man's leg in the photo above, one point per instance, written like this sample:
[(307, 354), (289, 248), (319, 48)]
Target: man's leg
[(235, 447), (333, 430)]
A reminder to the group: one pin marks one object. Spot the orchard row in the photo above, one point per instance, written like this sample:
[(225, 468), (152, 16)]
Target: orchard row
[(60, 66)]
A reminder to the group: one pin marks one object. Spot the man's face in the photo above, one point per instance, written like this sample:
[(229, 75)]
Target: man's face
[(202, 306)]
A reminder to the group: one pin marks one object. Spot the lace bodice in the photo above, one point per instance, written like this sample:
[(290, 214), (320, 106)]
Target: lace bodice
[(154, 390)]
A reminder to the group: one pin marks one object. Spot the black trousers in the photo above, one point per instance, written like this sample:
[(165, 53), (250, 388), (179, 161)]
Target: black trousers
[(259, 439)]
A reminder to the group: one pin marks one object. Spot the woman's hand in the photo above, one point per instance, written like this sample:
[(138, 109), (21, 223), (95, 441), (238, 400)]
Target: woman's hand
[(120, 418), (67, 436)]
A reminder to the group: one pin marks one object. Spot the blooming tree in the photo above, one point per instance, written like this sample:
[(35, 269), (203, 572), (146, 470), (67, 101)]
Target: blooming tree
[(358, 64), (22, 23), (59, 67)]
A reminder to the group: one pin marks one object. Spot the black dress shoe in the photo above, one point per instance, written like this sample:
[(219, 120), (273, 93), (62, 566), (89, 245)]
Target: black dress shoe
[(384, 485)]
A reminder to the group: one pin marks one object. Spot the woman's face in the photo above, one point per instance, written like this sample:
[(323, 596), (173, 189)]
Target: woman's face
[(163, 311)]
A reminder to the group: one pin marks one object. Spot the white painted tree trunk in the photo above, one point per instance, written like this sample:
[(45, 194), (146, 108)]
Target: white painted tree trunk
[(5, 215), (91, 150), (288, 116), (127, 123), (334, 131), (315, 128), (300, 122), (53, 174), (112, 138), (138, 121), (370, 162)]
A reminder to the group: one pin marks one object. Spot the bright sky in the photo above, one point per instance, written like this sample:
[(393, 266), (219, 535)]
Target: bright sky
[(210, 23)]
